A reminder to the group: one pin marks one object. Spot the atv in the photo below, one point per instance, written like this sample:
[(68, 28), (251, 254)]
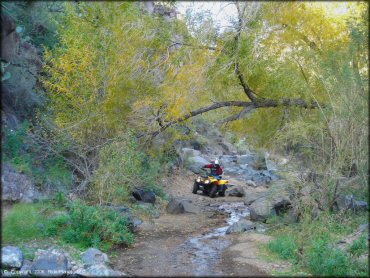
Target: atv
[(210, 186)]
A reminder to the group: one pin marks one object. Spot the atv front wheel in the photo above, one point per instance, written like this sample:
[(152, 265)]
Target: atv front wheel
[(222, 192), (213, 191), (195, 188)]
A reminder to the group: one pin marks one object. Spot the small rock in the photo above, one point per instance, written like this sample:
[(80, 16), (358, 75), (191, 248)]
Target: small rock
[(175, 206), (26, 268), (94, 256), (237, 191), (147, 196), (251, 183), (240, 226), (11, 257)]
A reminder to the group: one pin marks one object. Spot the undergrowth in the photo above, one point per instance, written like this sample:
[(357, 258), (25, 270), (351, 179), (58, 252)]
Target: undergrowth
[(311, 244)]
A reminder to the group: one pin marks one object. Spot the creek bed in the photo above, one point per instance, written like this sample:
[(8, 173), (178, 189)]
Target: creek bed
[(206, 249)]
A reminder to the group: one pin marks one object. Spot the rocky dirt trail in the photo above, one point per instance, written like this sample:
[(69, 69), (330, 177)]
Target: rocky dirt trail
[(195, 244)]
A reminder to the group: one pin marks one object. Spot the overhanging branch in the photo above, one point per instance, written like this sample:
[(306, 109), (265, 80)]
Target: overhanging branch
[(259, 103)]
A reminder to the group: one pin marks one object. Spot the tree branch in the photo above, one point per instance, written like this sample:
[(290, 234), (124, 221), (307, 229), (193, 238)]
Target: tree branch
[(246, 88), (259, 103), (194, 46)]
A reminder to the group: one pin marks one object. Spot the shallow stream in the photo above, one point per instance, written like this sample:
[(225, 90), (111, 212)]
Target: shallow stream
[(206, 249)]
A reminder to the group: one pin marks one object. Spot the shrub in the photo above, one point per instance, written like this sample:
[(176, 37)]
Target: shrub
[(284, 246), (122, 167), (92, 226), (28, 157)]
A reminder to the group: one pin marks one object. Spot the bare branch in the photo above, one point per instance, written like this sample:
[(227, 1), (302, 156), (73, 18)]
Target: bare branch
[(194, 46), (259, 103)]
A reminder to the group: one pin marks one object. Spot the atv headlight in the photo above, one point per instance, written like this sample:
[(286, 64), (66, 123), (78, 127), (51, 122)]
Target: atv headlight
[(206, 181), (198, 179)]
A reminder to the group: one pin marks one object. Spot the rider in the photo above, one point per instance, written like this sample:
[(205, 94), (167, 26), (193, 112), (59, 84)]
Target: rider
[(216, 170)]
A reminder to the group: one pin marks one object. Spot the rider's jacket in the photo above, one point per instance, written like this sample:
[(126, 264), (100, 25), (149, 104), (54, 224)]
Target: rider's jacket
[(215, 170)]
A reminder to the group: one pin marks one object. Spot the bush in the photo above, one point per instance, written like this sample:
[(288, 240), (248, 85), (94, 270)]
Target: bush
[(122, 167), (26, 156), (284, 246), (91, 226)]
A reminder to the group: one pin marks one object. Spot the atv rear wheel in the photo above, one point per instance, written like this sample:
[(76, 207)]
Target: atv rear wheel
[(213, 191), (195, 188)]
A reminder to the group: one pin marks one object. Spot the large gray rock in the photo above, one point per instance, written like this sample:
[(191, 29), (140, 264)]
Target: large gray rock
[(277, 198), (195, 163), (236, 191), (94, 256), (99, 270), (247, 159), (177, 206), (241, 226), (17, 187), (50, 262), (348, 202), (250, 197), (11, 257)]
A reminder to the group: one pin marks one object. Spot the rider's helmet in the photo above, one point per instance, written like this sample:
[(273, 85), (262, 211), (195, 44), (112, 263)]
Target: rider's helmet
[(217, 163)]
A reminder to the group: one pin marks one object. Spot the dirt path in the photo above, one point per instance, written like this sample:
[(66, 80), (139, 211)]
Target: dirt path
[(190, 244)]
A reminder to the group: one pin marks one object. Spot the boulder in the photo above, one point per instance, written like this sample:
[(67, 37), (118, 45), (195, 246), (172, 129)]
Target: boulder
[(17, 187), (236, 191), (50, 262), (250, 197), (276, 200), (177, 206), (348, 202), (98, 270), (11, 257), (147, 196), (195, 163), (241, 226), (94, 256)]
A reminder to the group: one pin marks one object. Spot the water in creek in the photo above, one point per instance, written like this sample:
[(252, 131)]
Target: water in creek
[(206, 249)]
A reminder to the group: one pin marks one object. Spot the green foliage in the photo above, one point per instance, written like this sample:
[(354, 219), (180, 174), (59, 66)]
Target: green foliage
[(311, 244), (122, 167), (27, 156), (284, 246), (322, 259), (24, 222), (39, 29), (359, 246), (95, 226), (82, 225)]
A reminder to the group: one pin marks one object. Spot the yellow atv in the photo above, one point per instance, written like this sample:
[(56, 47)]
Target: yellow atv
[(210, 186)]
